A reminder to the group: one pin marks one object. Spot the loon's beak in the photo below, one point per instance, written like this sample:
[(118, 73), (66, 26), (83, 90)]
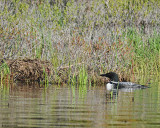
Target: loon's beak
[(102, 74)]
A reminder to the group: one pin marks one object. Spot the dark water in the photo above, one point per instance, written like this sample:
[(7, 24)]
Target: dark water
[(67, 106)]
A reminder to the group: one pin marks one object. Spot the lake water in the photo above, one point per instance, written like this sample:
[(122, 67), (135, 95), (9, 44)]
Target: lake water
[(26, 106)]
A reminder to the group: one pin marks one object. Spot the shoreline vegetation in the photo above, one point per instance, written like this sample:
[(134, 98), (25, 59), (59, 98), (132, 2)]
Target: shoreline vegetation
[(73, 41)]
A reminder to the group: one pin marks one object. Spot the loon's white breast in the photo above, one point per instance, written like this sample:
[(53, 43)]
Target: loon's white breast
[(109, 86)]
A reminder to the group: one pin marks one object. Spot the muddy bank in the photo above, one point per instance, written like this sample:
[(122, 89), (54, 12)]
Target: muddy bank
[(28, 69)]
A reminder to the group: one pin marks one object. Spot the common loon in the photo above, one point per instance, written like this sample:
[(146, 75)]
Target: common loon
[(115, 84)]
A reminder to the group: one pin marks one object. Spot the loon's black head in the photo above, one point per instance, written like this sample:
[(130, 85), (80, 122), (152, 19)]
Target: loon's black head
[(112, 75)]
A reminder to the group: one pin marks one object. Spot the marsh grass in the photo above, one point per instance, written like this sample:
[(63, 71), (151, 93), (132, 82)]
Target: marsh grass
[(120, 36), (146, 52)]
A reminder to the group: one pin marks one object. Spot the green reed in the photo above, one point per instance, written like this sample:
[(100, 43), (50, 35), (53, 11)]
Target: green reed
[(46, 79), (82, 81), (83, 76), (5, 71)]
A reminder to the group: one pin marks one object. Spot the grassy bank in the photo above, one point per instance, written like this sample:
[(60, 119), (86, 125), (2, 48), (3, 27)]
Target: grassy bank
[(91, 37)]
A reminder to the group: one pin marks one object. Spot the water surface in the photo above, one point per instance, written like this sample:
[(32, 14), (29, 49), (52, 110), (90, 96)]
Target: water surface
[(86, 107)]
